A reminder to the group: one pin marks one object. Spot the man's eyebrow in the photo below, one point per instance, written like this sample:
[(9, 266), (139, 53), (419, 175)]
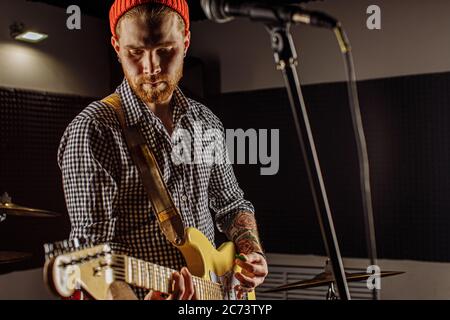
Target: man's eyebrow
[(166, 44), (133, 47), (163, 44)]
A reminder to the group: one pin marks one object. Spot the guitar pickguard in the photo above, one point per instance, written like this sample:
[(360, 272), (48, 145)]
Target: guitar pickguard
[(228, 282)]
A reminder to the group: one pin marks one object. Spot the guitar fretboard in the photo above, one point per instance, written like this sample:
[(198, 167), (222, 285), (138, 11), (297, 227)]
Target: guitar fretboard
[(150, 276)]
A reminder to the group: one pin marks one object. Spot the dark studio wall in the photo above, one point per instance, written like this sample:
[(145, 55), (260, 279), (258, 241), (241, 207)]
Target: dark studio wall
[(407, 129), (32, 124)]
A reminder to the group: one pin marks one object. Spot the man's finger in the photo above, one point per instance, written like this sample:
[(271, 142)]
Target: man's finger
[(247, 282), (188, 284), (256, 269), (247, 273), (252, 257), (119, 290), (178, 291)]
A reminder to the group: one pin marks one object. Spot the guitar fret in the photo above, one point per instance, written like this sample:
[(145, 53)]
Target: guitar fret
[(194, 282), (163, 277), (167, 279), (210, 291), (134, 272), (152, 269), (160, 279), (139, 273), (153, 277), (197, 288), (156, 278), (205, 286), (147, 272), (199, 284), (143, 274), (129, 271), (200, 290)]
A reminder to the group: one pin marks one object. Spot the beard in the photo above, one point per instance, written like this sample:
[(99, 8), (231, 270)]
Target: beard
[(155, 94)]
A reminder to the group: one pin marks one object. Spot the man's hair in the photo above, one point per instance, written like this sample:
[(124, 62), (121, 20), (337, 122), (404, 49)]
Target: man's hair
[(153, 14)]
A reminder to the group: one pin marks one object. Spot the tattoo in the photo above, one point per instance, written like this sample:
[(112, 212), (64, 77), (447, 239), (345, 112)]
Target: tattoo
[(244, 233)]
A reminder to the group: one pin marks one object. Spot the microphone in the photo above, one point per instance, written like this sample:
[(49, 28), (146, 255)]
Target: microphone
[(225, 10)]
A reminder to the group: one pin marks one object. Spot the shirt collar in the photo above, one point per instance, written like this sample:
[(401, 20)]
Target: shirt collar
[(135, 109)]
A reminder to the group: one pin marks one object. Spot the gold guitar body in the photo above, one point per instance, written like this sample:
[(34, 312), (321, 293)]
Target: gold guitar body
[(203, 260)]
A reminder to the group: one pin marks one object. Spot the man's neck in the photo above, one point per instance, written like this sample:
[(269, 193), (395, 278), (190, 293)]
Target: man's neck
[(161, 110), (164, 112)]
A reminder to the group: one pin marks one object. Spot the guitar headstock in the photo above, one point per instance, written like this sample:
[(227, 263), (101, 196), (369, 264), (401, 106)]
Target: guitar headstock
[(66, 246), (76, 264)]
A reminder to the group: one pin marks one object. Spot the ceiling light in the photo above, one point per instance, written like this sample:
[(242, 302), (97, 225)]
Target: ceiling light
[(18, 32)]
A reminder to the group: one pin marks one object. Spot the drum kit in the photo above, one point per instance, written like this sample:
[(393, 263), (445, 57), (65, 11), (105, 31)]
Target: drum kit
[(8, 208), (326, 278)]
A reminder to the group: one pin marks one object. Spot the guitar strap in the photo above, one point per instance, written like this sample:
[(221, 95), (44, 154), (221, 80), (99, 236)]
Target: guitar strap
[(167, 214)]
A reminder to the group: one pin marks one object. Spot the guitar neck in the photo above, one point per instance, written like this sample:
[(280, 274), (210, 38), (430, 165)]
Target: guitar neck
[(150, 276)]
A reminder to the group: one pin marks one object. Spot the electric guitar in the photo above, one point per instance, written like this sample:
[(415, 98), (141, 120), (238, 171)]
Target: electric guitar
[(94, 268)]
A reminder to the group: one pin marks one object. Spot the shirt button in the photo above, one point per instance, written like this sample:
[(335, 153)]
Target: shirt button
[(183, 198)]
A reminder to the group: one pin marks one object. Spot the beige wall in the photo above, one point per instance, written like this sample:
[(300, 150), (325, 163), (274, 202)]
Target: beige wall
[(24, 285), (67, 62), (414, 39)]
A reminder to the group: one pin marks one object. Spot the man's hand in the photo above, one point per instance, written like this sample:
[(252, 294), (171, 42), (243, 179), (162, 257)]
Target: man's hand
[(183, 288), (254, 271)]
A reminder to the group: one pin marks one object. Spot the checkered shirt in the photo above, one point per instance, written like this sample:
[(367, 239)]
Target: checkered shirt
[(107, 202)]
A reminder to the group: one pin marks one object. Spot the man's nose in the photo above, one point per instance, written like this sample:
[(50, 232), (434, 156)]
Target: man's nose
[(152, 64)]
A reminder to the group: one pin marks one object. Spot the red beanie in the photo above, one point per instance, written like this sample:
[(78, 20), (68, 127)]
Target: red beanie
[(120, 7)]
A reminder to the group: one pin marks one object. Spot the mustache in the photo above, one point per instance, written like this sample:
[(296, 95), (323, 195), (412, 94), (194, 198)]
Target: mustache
[(151, 79)]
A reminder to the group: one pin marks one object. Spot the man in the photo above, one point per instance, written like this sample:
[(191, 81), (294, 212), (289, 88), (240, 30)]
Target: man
[(106, 200)]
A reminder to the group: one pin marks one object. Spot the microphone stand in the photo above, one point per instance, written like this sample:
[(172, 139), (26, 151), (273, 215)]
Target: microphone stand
[(286, 61)]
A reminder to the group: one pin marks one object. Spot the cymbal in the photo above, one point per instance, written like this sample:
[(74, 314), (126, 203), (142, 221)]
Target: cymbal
[(12, 256), (9, 208), (323, 279)]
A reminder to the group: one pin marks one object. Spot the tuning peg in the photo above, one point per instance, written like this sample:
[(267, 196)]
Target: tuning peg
[(48, 248), (48, 251)]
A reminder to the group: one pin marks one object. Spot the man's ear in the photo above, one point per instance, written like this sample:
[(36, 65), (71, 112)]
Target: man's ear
[(115, 44), (187, 41)]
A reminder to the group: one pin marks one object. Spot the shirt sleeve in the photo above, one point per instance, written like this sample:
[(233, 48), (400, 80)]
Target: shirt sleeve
[(90, 171), (226, 198)]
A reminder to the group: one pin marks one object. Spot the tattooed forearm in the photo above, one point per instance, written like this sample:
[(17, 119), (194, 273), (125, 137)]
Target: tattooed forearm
[(244, 233)]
